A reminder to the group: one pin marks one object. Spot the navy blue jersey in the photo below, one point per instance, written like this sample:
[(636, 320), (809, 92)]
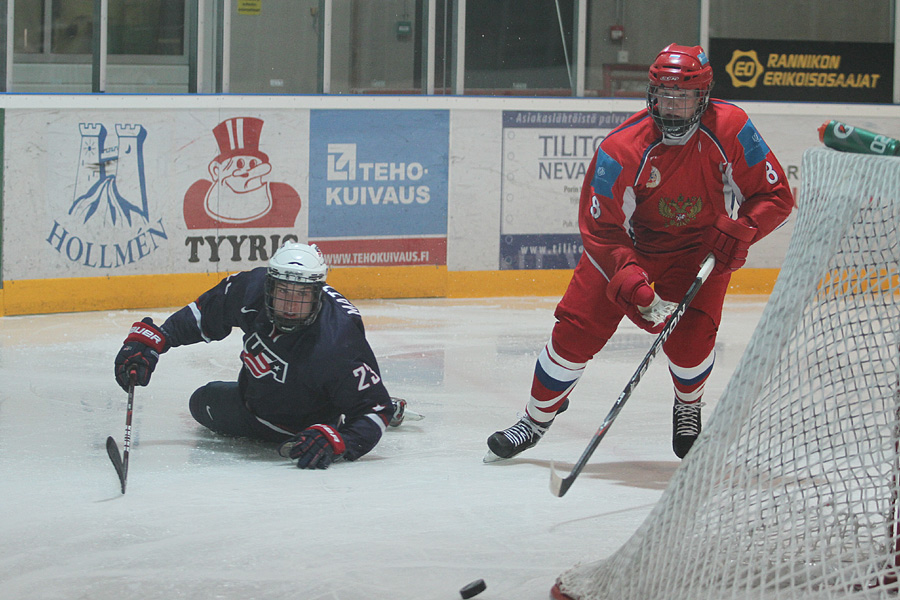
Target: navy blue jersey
[(323, 373)]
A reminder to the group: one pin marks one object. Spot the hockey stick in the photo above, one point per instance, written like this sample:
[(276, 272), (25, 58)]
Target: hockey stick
[(560, 485), (120, 463)]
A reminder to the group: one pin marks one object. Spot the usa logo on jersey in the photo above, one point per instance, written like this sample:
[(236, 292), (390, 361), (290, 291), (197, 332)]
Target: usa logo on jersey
[(262, 361)]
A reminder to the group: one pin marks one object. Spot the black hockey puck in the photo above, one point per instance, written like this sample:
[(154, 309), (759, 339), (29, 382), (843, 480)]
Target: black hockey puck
[(473, 589)]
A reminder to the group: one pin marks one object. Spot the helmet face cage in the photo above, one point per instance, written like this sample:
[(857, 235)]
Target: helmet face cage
[(678, 94), (675, 111), (294, 286), (292, 304)]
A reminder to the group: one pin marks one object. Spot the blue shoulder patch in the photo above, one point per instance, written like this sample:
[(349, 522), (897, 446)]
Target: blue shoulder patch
[(605, 174), (755, 149)]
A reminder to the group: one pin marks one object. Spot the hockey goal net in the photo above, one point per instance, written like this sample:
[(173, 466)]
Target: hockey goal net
[(792, 489)]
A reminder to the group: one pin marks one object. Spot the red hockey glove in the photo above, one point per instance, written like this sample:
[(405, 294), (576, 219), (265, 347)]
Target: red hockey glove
[(630, 289), (139, 353), (729, 241), (315, 447)]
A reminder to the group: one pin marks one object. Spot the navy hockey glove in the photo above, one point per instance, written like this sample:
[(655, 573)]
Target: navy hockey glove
[(729, 241), (139, 353), (630, 290), (315, 447)]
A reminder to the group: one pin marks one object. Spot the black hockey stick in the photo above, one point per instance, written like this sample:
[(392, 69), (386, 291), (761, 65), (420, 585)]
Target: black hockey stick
[(560, 485), (121, 462)]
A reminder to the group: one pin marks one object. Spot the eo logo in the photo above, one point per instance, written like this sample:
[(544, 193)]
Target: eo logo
[(744, 68)]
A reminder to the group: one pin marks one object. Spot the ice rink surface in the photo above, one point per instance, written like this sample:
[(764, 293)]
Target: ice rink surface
[(206, 517)]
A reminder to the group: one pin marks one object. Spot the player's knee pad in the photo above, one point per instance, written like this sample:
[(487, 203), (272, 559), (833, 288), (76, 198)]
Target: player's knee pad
[(223, 396), (574, 342), (692, 340), (198, 404)]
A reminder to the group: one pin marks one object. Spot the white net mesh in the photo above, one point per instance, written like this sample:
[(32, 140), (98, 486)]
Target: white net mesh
[(791, 491)]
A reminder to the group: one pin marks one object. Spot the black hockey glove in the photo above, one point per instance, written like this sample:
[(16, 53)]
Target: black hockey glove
[(315, 447), (139, 353)]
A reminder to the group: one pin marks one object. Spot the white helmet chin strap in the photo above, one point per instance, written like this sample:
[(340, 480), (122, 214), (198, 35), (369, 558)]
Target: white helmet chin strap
[(680, 140)]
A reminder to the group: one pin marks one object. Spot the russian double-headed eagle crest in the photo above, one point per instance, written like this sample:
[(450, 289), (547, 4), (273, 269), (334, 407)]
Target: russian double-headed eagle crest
[(681, 211)]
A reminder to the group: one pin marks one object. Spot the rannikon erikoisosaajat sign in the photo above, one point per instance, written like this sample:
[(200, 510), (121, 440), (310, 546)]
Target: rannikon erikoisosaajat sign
[(802, 71)]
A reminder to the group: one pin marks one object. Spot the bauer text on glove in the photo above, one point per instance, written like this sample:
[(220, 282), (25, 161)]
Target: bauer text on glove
[(315, 447), (140, 353)]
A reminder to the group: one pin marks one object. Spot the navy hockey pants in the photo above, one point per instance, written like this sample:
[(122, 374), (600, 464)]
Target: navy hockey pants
[(218, 406)]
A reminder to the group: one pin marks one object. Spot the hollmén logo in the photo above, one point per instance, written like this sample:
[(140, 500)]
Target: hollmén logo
[(108, 225)]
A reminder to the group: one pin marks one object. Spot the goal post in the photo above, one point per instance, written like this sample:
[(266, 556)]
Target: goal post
[(791, 491)]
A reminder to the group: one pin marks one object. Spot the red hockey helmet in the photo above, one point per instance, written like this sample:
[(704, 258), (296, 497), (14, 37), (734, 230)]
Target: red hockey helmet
[(680, 81), (684, 67)]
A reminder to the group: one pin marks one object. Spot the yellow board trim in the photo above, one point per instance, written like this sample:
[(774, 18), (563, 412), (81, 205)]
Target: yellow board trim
[(41, 296)]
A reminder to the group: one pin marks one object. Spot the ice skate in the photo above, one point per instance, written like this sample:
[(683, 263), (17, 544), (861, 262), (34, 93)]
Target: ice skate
[(685, 426), (518, 438), (401, 413)]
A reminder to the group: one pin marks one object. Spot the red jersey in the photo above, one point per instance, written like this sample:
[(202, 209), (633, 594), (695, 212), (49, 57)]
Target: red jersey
[(642, 194)]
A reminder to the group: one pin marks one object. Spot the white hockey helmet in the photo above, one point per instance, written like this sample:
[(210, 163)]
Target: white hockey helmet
[(294, 285)]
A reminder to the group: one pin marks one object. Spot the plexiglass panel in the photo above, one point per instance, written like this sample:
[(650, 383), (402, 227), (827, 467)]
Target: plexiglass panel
[(624, 37), (521, 47), (54, 44)]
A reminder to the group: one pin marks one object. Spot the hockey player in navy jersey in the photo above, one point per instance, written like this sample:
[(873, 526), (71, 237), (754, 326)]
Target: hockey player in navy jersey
[(686, 177), (309, 380)]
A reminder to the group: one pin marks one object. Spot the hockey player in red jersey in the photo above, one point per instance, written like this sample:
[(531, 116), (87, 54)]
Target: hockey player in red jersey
[(687, 176)]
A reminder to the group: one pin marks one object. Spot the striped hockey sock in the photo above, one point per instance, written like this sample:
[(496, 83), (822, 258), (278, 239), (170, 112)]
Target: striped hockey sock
[(690, 381), (554, 378)]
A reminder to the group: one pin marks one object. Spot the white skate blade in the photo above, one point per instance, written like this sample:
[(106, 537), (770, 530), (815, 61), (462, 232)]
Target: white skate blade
[(412, 416), (490, 457)]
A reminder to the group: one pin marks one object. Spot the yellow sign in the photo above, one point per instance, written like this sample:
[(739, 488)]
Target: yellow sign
[(249, 7), (794, 70), (744, 68)]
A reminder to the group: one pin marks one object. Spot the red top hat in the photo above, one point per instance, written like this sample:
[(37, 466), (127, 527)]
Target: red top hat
[(239, 136)]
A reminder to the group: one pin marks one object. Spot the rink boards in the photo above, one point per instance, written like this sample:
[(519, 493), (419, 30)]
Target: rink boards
[(144, 201)]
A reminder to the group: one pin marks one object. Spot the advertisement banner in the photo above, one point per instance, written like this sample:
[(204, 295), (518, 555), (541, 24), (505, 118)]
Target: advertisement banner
[(545, 157), (378, 186), (140, 192), (385, 251), (242, 194), (748, 69)]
